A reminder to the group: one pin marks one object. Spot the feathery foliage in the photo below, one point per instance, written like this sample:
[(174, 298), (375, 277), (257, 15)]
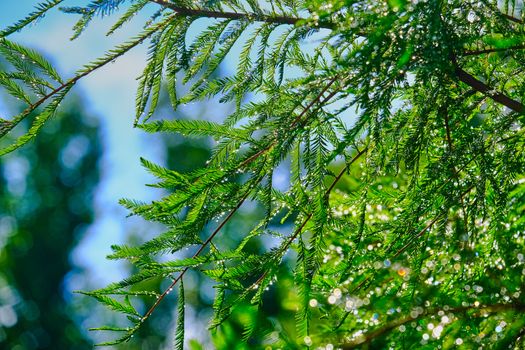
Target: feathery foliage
[(399, 127)]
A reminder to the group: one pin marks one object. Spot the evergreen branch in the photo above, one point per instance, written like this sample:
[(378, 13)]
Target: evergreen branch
[(185, 11), (512, 18), (109, 58), (419, 234), (317, 99), (297, 119), (492, 50), (481, 311), (480, 86), (408, 244), (299, 230), (429, 225), (305, 118), (41, 10), (199, 251), (88, 69)]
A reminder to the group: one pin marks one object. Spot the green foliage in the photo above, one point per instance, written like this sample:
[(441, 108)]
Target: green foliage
[(400, 124)]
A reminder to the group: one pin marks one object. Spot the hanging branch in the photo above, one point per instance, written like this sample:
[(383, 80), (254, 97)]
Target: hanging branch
[(201, 249), (481, 311), (185, 11), (480, 86), (243, 199), (111, 56), (499, 49), (297, 119), (299, 230)]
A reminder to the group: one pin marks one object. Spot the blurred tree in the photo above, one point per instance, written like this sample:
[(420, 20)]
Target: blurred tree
[(46, 203)]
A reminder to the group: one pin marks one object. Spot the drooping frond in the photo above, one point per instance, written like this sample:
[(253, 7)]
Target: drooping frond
[(40, 10)]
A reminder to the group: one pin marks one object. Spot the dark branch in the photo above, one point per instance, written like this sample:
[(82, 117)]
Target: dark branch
[(481, 52), (201, 249), (482, 310), (512, 18), (228, 15), (480, 86), (464, 76)]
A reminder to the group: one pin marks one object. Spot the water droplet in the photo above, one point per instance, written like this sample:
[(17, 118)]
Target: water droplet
[(472, 17)]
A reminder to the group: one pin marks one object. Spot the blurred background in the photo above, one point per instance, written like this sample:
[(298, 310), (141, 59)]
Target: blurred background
[(59, 211)]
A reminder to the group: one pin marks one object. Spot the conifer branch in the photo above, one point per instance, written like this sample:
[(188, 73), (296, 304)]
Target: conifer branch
[(185, 11), (239, 204), (199, 251), (299, 230), (297, 119), (480, 86), (429, 225), (110, 57), (39, 12), (408, 244), (480, 312), (499, 49), (419, 234)]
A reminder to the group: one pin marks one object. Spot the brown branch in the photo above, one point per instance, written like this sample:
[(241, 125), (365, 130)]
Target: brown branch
[(201, 249), (430, 224), (512, 18), (317, 99), (500, 49), (307, 219), (480, 86), (228, 15), (419, 234), (447, 129), (495, 308)]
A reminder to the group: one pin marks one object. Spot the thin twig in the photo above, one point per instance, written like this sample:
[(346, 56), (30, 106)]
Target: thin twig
[(480, 86), (197, 12), (447, 129), (201, 249), (499, 49), (482, 311), (429, 225), (299, 230)]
